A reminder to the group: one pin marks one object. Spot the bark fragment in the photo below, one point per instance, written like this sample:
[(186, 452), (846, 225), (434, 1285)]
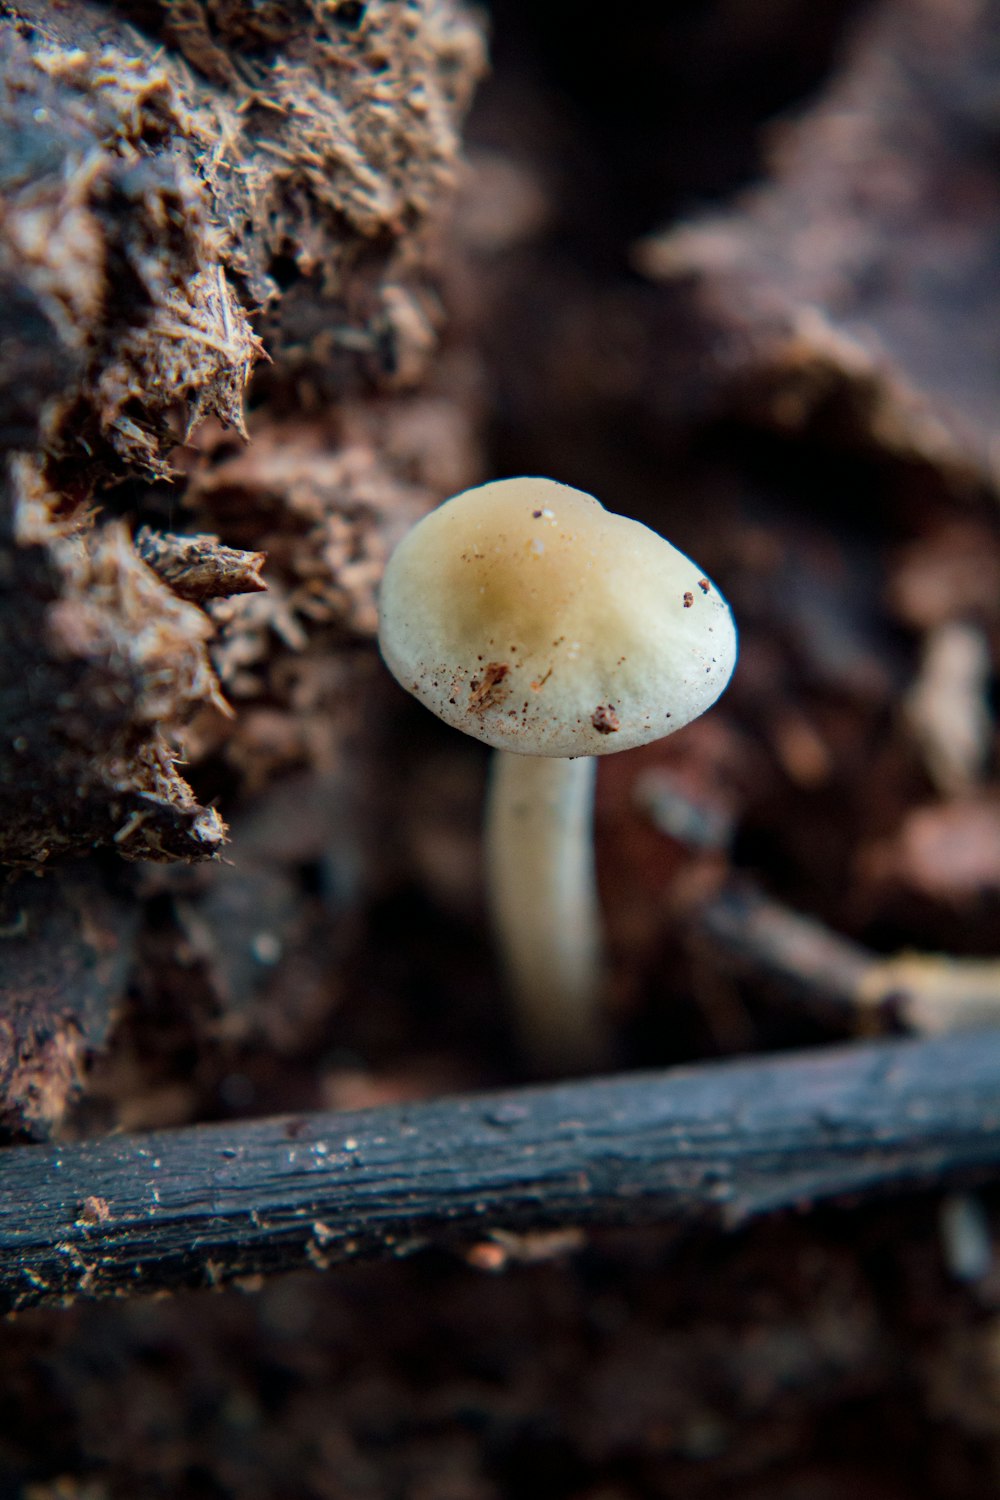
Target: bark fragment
[(100, 664), (200, 567), (65, 950)]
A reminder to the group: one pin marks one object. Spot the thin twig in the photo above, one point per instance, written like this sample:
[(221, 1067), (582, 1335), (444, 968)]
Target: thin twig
[(745, 933), (740, 930), (714, 1144)]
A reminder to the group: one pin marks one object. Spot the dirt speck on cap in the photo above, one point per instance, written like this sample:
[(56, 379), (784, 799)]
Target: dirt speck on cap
[(485, 692), (605, 720)]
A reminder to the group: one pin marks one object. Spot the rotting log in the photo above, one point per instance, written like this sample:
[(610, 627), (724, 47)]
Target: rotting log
[(717, 1144), (185, 192)]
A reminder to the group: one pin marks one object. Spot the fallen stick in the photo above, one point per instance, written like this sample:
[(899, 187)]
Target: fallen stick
[(740, 930), (719, 1143), (752, 936)]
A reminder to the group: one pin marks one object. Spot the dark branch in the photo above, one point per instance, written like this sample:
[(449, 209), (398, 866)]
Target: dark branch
[(719, 1143)]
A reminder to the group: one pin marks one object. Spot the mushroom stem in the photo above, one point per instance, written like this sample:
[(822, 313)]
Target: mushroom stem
[(543, 900)]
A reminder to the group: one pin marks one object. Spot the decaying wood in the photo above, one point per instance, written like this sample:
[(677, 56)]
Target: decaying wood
[(721, 1144), (172, 178), (180, 192), (100, 663), (852, 296), (66, 945), (200, 567)]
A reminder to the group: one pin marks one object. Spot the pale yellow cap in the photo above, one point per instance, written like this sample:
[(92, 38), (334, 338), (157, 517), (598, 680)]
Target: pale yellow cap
[(529, 616)]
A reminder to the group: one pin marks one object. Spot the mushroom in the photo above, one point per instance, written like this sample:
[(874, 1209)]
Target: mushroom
[(527, 615)]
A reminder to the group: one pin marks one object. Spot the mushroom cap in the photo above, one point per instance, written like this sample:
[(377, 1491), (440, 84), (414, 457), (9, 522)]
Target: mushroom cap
[(527, 615)]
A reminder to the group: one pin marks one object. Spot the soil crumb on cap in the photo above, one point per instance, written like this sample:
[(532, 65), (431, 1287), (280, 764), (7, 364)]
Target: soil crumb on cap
[(483, 692)]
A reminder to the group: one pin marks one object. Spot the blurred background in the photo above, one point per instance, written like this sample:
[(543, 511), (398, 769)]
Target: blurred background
[(730, 265)]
